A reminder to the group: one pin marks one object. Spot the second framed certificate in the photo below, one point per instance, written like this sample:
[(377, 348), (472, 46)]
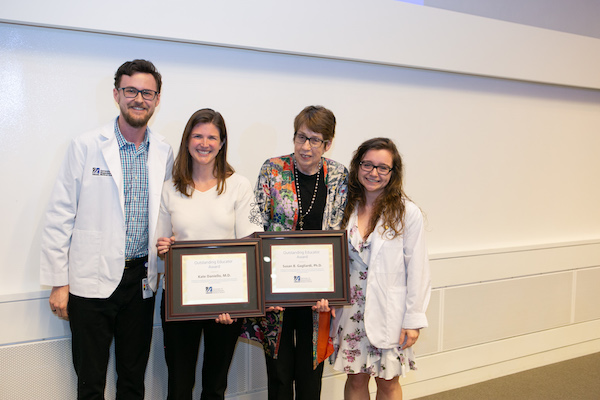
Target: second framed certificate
[(208, 278), (301, 267)]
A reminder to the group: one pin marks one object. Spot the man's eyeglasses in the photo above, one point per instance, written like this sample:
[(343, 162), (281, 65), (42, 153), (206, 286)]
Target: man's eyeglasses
[(300, 138), (131, 93), (381, 169)]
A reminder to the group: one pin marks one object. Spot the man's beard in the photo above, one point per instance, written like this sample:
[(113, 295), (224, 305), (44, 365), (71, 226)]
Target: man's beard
[(135, 122)]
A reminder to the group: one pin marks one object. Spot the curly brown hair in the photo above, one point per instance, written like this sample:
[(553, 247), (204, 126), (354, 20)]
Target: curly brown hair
[(389, 205)]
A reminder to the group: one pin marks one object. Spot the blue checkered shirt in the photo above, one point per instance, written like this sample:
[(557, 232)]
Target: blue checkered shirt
[(135, 185)]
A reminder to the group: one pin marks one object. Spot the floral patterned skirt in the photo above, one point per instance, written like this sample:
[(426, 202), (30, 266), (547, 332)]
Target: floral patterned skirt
[(353, 353)]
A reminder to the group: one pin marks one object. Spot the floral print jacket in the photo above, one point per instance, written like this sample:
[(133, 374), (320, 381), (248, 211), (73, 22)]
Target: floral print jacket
[(277, 209), (277, 202)]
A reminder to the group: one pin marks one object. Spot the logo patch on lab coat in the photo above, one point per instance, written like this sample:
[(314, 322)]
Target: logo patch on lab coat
[(100, 172)]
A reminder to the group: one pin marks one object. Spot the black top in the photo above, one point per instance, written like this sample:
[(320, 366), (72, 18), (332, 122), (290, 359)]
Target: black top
[(314, 219)]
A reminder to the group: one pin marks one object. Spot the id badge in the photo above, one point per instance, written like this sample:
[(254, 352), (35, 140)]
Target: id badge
[(146, 289)]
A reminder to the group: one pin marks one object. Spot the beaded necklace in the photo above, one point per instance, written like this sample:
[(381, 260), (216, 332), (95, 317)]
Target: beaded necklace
[(314, 196)]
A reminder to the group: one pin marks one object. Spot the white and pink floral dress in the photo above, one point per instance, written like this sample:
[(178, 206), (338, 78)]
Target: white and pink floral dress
[(353, 353)]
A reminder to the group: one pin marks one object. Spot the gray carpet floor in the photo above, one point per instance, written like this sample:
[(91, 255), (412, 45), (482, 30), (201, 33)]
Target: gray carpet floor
[(576, 379)]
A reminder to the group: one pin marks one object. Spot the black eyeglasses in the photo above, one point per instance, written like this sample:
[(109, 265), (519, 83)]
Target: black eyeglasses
[(381, 169), (300, 138), (131, 93)]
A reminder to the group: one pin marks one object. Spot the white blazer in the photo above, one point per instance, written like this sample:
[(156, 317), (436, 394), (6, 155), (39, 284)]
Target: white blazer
[(83, 240), (398, 282)]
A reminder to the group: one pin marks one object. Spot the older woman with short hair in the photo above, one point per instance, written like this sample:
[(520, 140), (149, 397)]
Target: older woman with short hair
[(300, 191)]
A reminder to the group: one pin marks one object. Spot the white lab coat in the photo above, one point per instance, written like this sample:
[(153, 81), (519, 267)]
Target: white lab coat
[(83, 241), (398, 282)]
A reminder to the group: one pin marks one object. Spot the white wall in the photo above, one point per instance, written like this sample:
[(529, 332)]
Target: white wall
[(379, 31), (505, 170)]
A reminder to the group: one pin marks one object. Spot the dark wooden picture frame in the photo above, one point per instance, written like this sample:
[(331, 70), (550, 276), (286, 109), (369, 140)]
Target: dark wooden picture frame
[(175, 310), (337, 239)]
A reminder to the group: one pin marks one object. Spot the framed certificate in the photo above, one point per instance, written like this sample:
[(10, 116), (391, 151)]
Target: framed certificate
[(208, 278), (301, 267)]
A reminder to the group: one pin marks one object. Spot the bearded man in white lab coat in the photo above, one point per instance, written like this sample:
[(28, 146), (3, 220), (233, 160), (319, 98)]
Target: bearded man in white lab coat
[(99, 233)]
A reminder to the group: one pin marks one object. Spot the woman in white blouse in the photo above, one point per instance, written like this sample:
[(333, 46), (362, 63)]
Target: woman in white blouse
[(206, 200)]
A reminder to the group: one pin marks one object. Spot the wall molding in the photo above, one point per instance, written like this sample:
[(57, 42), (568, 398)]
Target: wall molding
[(397, 35)]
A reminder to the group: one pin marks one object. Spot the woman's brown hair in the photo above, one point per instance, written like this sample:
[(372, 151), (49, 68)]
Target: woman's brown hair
[(389, 205), (318, 119), (182, 167)]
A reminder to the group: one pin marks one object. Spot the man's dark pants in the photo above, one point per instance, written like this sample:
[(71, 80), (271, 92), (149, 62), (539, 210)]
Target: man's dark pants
[(127, 317)]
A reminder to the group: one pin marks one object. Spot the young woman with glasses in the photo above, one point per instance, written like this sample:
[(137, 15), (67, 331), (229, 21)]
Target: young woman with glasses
[(389, 275)]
